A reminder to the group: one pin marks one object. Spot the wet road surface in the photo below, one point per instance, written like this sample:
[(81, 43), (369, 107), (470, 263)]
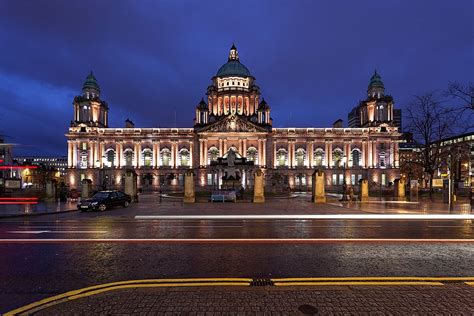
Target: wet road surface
[(30, 271)]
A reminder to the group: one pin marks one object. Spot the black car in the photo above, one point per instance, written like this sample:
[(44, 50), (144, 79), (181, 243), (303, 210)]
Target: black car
[(104, 200)]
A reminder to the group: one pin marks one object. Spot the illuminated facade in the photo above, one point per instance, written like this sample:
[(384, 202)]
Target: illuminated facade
[(233, 116)]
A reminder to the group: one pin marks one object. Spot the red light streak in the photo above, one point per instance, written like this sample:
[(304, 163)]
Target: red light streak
[(18, 198), (19, 202), (18, 167)]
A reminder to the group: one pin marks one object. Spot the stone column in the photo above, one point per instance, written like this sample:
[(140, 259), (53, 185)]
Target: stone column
[(369, 154), (396, 155), (241, 146), (330, 154), (310, 154), (274, 154), (136, 154), (220, 148), (264, 152), (173, 145), (90, 154), (189, 190), (86, 188), (201, 152), (191, 144), (374, 153), (364, 190), (225, 145), (364, 154), (244, 144), (258, 188), (318, 182), (205, 153), (392, 157), (101, 154), (326, 153), (131, 185), (118, 154), (97, 156), (158, 150), (69, 154)]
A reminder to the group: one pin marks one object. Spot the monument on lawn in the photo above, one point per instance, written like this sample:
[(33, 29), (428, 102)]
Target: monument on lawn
[(364, 190), (318, 195), (189, 187), (259, 188), (131, 184)]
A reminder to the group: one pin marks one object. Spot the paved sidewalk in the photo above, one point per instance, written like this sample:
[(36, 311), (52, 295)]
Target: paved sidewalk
[(451, 298)]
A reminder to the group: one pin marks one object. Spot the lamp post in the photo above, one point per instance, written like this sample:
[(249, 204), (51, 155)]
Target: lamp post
[(344, 184)]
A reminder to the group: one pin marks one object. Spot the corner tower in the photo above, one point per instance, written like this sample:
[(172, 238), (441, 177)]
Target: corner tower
[(89, 109)]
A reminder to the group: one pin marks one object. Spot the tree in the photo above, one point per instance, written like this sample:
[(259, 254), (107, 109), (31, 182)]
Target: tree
[(430, 122), (462, 97)]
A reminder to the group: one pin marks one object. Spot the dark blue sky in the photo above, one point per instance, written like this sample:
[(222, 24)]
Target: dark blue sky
[(312, 59)]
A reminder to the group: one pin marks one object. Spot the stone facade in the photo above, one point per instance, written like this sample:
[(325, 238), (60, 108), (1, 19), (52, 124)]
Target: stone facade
[(234, 117)]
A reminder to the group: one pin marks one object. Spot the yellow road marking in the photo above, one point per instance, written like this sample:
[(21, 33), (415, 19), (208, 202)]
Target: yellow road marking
[(354, 283), (96, 289), (470, 283), (375, 279)]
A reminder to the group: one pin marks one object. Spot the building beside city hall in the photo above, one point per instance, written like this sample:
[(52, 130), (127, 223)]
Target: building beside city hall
[(233, 116)]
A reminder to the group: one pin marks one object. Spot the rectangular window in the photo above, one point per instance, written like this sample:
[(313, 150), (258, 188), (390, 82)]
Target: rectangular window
[(334, 179), (209, 179), (341, 179), (359, 177), (353, 179), (84, 146), (384, 179)]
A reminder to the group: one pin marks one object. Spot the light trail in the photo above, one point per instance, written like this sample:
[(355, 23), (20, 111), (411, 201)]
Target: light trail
[(229, 240), (308, 216)]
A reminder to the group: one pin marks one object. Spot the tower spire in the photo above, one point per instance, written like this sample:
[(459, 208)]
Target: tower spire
[(233, 54)]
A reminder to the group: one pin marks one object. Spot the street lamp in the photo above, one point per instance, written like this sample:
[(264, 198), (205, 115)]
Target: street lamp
[(344, 184)]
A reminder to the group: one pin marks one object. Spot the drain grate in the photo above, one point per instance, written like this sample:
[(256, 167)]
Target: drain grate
[(261, 282)]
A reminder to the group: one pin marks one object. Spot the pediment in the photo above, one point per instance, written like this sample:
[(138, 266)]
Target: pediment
[(233, 124)]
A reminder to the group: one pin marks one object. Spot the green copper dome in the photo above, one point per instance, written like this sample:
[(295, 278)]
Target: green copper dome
[(376, 81), (233, 68), (91, 82)]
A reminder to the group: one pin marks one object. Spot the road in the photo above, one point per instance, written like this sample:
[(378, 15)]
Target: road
[(51, 254)]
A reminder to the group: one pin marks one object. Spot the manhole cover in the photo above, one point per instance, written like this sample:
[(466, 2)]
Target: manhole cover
[(308, 309)]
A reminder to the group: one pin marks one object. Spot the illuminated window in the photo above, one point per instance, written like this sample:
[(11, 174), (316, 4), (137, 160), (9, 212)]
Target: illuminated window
[(318, 157), (282, 155), (252, 154), (337, 157), (212, 154), (128, 156), (300, 155), (165, 157), (184, 157), (356, 158), (147, 157)]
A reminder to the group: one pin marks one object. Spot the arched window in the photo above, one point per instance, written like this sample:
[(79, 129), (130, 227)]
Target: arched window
[(318, 157), (128, 157), (252, 154), (382, 158), (355, 157), (300, 156), (109, 159), (282, 155), (337, 157), (212, 154), (147, 157), (165, 157), (184, 157)]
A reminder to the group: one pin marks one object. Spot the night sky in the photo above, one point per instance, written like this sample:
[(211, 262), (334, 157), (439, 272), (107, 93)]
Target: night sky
[(312, 59)]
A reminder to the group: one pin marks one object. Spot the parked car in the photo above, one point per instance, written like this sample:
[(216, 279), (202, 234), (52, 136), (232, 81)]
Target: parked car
[(104, 200)]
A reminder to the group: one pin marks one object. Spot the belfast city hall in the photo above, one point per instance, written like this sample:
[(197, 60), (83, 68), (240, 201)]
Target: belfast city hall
[(233, 117)]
